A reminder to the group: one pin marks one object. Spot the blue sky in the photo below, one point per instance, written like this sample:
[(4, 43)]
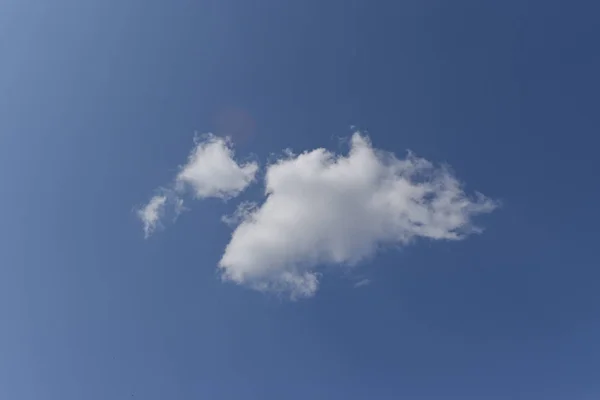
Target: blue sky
[(99, 105)]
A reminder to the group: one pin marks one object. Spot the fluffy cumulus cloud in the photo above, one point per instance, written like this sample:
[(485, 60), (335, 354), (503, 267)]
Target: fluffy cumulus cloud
[(211, 171), (327, 209)]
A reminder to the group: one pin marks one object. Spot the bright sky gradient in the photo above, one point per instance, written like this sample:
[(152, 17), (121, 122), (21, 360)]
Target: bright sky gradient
[(103, 102)]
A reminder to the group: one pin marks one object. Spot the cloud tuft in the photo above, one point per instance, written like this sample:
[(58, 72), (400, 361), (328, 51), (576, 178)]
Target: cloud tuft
[(151, 213), (211, 170), (362, 282)]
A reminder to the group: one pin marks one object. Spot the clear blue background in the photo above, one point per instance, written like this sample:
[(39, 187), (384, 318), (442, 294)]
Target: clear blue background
[(98, 104)]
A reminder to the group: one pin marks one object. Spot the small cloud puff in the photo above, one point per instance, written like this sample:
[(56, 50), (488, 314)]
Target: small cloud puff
[(150, 214), (211, 170), (362, 282)]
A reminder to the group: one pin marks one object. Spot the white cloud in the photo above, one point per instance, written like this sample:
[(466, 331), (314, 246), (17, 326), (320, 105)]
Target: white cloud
[(362, 282), (211, 171), (243, 211), (150, 214), (323, 209), (166, 205)]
